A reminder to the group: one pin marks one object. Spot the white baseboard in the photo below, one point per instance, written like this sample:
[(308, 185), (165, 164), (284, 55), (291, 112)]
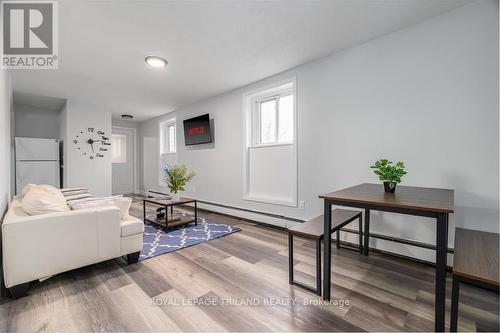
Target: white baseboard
[(141, 192), (282, 223)]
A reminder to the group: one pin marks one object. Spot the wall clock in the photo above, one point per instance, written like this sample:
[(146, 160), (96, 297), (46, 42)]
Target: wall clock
[(92, 143)]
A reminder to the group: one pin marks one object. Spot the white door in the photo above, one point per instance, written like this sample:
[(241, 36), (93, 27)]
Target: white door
[(123, 158)]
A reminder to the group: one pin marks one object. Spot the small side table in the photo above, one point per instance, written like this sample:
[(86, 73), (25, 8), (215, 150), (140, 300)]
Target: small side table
[(166, 203)]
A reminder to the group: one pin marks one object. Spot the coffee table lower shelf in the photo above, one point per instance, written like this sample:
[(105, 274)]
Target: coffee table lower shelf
[(175, 222)]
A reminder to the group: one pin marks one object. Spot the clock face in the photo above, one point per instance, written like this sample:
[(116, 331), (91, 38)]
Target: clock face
[(92, 143)]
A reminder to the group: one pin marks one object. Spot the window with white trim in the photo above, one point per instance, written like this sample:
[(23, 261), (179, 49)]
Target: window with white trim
[(270, 156), (168, 144), (118, 148), (273, 117)]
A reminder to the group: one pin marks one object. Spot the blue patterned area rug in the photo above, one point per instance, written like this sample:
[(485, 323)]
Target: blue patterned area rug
[(158, 242)]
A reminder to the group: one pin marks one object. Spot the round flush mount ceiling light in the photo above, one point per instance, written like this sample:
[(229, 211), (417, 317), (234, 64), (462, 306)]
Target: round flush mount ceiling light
[(127, 116), (155, 61)]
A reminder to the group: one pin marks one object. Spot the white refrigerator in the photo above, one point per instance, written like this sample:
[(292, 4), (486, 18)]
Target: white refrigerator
[(37, 162)]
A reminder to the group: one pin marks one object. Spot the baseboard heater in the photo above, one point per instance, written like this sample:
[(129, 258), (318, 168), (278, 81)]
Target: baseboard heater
[(276, 216), (372, 235)]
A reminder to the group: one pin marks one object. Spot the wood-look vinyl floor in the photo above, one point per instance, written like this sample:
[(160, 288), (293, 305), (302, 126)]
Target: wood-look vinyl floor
[(246, 275)]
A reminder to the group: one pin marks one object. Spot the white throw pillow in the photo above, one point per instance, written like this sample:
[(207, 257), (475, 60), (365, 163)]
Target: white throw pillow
[(27, 188), (42, 201), (51, 189), (122, 203), (44, 187)]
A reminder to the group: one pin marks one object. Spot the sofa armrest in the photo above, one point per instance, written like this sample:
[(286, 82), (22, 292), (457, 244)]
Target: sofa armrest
[(39, 246)]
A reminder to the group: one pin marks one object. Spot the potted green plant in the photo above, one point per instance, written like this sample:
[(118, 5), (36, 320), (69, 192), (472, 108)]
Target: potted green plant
[(176, 177), (390, 174)]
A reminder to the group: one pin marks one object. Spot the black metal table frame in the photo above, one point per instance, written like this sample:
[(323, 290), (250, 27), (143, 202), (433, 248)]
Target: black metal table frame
[(456, 280), (441, 248), (171, 205), (317, 241)]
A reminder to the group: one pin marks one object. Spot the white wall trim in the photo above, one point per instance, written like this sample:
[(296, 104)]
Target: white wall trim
[(136, 175), (289, 203)]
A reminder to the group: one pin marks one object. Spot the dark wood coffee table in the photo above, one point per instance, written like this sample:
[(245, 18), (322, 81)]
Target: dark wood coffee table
[(173, 220)]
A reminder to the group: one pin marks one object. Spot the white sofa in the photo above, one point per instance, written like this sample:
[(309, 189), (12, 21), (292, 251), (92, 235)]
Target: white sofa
[(36, 247)]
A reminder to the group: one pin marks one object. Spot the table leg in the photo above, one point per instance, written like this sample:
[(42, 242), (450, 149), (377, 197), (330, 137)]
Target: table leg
[(166, 217), (361, 233), (441, 256), (290, 258), (327, 250), (144, 210), (454, 303), (367, 232), (318, 266), (195, 213)]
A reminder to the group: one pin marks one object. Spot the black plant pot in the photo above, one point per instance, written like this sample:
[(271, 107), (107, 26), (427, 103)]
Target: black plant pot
[(387, 187)]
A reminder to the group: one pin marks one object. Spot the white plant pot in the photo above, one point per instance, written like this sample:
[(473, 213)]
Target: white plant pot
[(176, 196)]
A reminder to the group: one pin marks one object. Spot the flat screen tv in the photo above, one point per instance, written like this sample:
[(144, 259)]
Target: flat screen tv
[(197, 130)]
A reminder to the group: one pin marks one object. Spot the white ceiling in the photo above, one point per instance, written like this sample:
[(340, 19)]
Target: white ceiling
[(41, 102), (211, 46)]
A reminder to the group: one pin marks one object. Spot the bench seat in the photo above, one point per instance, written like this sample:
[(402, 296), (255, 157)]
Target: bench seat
[(315, 227)]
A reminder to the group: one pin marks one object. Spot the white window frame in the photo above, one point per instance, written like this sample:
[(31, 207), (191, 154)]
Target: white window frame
[(282, 88), (169, 143), (165, 136), (164, 144), (256, 114), (114, 149)]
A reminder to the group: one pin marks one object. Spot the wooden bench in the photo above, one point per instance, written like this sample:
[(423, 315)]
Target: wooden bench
[(475, 261), (314, 229)]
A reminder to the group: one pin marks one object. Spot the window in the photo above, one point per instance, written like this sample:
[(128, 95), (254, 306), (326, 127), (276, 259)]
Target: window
[(273, 117), (270, 155), (168, 142), (119, 148), (171, 139)]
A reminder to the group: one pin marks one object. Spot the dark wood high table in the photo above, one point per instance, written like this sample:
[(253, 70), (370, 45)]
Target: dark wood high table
[(475, 261), (429, 202)]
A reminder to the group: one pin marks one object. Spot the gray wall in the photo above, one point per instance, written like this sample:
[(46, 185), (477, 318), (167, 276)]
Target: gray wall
[(65, 124), (79, 169), (36, 122), (427, 95)]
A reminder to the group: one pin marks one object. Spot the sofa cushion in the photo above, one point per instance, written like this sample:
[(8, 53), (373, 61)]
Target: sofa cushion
[(72, 190), (74, 195), (40, 200), (120, 202), (132, 226)]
